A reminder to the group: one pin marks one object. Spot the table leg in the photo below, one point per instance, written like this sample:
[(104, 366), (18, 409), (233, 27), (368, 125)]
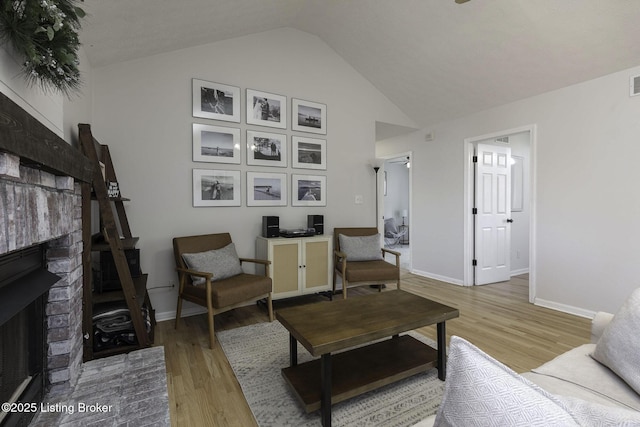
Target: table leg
[(442, 351), (325, 397), (293, 351)]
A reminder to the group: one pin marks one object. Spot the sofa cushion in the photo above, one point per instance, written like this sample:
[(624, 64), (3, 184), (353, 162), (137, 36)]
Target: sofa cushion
[(575, 373), (619, 347), (480, 391), (223, 263), (361, 248), (593, 414)]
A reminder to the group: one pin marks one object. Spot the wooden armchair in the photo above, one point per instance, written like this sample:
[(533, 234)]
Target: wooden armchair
[(218, 295), (366, 272)]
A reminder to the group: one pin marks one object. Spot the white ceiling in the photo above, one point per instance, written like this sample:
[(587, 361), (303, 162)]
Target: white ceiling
[(435, 59)]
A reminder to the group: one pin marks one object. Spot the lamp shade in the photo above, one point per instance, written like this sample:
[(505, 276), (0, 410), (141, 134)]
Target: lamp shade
[(405, 213)]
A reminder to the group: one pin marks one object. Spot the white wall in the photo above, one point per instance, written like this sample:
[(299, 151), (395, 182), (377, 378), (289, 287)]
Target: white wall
[(57, 112), (143, 112), (586, 218), (78, 107), (46, 107)]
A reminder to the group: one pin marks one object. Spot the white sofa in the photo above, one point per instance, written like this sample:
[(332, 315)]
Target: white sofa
[(572, 389), (577, 374)]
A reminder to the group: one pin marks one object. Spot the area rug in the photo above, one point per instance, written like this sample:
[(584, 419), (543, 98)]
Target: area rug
[(258, 352)]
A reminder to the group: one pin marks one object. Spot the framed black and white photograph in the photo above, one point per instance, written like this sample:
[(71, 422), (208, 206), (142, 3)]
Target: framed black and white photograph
[(266, 189), (216, 144), (266, 149), (216, 101), (307, 116), (266, 109), (308, 190), (308, 153), (216, 187)]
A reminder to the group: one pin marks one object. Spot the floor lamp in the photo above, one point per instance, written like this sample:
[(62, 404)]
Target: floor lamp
[(377, 168)]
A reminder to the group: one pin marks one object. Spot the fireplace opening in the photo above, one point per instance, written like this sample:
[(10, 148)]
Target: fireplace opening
[(24, 282)]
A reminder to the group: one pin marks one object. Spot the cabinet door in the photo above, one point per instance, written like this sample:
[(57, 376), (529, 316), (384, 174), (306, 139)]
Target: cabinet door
[(316, 261), (285, 266)]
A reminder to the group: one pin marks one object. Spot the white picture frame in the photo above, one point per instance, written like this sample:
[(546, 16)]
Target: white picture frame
[(266, 189), (216, 101), (308, 190), (266, 149), (216, 144), (216, 188), (266, 109), (308, 153), (307, 116)]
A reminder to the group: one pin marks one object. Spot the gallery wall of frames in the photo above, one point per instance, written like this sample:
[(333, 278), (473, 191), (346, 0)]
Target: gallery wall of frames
[(266, 148)]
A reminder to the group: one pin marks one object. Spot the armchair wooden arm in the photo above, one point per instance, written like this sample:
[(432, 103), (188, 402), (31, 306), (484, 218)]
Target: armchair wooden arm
[(194, 273), (257, 261), (389, 251), (264, 262), (341, 259)]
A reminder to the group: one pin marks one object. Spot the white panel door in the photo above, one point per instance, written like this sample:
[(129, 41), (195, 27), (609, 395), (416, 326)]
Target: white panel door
[(493, 218)]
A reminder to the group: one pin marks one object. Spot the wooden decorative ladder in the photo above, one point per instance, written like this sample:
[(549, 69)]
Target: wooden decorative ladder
[(115, 237)]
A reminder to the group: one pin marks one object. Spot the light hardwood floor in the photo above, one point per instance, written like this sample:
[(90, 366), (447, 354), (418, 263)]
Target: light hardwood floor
[(497, 318)]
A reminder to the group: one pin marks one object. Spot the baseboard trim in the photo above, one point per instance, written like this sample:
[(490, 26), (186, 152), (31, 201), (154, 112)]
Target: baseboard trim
[(438, 277), (569, 309), (519, 272), (186, 312)]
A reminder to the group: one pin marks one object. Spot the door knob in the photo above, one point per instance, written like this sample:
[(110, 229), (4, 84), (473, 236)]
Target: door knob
[(509, 220)]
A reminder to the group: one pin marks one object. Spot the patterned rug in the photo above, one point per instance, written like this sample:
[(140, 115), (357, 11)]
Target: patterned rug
[(258, 352)]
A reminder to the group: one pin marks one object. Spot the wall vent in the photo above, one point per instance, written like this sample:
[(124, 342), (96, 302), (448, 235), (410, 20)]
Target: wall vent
[(634, 86), (503, 139)]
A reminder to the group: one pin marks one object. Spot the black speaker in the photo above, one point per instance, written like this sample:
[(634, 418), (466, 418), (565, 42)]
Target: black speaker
[(270, 226), (317, 222)]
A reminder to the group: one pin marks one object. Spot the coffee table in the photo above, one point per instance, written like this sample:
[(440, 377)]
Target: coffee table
[(328, 327)]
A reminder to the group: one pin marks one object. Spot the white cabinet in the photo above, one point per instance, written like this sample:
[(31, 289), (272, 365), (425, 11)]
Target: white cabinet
[(299, 266)]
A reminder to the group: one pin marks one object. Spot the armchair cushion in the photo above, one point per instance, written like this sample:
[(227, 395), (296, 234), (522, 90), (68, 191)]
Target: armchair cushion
[(619, 348), (361, 248), (222, 263), (233, 290), (366, 271)]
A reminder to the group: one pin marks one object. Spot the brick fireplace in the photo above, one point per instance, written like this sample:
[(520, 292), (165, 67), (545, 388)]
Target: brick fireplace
[(41, 183), (39, 208)]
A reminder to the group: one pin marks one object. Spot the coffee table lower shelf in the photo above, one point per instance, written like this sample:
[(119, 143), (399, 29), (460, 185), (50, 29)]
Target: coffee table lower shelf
[(361, 370)]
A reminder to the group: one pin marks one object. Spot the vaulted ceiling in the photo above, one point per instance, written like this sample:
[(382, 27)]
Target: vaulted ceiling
[(435, 59)]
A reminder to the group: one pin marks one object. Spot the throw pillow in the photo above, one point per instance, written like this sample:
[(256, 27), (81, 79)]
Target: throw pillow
[(480, 391), (361, 248), (619, 348), (223, 263)]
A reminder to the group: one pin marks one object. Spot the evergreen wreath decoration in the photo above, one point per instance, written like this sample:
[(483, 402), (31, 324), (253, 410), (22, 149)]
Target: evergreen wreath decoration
[(45, 33)]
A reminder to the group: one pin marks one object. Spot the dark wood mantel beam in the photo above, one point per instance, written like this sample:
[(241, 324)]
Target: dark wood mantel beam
[(24, 136)]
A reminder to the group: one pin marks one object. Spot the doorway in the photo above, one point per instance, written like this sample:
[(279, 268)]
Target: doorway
[(396, 206), (521, 141)]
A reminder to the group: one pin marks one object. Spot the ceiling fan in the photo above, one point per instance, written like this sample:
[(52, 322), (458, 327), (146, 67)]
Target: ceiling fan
[(461, 1)]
